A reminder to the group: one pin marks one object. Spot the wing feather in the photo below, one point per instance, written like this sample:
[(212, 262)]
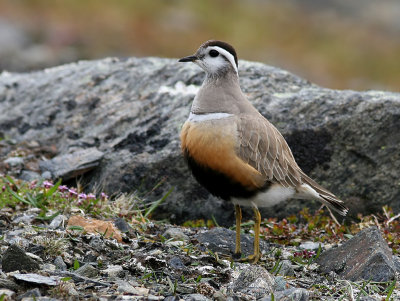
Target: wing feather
[(264, 148)]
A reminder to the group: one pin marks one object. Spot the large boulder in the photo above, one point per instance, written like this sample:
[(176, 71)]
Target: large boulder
[(131, 111)]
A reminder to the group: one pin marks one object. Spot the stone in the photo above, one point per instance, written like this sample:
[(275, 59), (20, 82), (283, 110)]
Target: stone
[(29, 176), (396, 261), (60, 264), (127, 288), (49, 267), (71, 165), (96, 226), (195, 297), (26, 219), (15, 259), (285, 268), (87, 270), (9, 284), (36, 279), (254, 281), (176, 263), (114, 271), (57, 222), (280, 284), (365, 256), (135, 107), (222, 240), (292, 294), (31, 293), (367, 298), (309, 245), (6, 294), (122, 225), (15, 162), (175, 233)]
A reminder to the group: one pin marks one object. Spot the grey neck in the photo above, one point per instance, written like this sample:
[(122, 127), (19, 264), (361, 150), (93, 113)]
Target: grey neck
[(221, 94)]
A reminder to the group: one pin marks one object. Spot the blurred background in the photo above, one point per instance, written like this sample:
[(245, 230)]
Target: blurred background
[(343, 44)]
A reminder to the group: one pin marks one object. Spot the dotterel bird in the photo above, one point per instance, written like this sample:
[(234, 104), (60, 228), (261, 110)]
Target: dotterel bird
[(234, 152)]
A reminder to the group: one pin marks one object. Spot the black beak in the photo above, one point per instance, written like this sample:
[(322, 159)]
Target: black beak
[(190, 58)]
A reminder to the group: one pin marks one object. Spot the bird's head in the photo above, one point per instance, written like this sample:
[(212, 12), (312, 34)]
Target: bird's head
[(216, 58)]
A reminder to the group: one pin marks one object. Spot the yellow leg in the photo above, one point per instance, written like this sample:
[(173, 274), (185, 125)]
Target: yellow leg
[(238, 213), (257, 224), (257, 221)]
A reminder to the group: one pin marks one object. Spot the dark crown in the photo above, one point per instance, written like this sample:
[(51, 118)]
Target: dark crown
[(223, 45)]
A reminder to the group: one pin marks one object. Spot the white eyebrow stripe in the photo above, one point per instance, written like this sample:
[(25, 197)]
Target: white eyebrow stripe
[(227, 54)]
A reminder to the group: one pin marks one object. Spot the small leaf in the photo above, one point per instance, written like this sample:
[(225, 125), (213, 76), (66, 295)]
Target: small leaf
[(76, 264), (53, 189), (348, 236), (66, 279), (78, 228), (15, 195)]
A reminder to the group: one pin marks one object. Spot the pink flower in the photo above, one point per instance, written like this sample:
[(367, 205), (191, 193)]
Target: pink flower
[(72, 192), (103, 196), (32, 185), (91, 196), (62, 188), (47, 184), (3, 188), (82, 196)]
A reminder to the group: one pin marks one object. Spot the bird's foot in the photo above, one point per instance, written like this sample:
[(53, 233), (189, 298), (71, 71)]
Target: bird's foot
[(251, 258)]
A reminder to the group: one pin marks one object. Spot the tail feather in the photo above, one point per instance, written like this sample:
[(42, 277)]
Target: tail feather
[(327, 197)]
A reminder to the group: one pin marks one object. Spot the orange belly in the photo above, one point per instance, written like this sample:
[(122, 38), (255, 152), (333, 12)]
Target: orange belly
[(213, 145)]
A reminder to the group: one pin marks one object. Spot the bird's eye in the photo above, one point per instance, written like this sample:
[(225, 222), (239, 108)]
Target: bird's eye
[(213, 53)]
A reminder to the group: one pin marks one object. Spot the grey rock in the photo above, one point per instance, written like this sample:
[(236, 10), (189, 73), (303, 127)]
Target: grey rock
[(69, 166), (114, 271), (195, 297), (280, 283), (222, 240), (57, 222), (60, 264), (176, 263), (36, 279), (365, 256), (31, 293), (254, 281), (122, 225), (396, 262), (78, 278), (87, 270), (49, 267), (309, 245), (367, 298), (26, 219), (6, 294), (15, 162), (14, 258), (175, 233), (46, 175), (285, 268), (9, 284), (127, 288), (134, 108), (171, 298), (292, 294), (29, 176)]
